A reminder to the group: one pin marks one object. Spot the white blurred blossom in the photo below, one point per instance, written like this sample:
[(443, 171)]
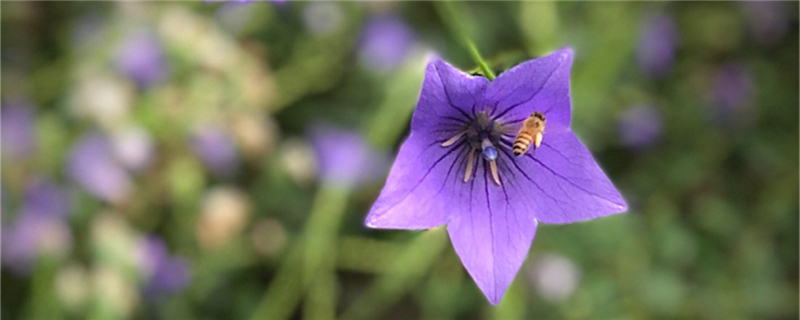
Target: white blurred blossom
[(104, 99), (554, 277), (224, 213), (299, 160), (322, 18), (114, 292), (133, 147), (255, 134), (72, 286)]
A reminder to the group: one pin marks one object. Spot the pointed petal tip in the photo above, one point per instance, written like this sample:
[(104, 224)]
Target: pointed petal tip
[(495, 298), (432, 56), (623, 207), (493, 294), (567, 51), (371, 221), (565, 54)]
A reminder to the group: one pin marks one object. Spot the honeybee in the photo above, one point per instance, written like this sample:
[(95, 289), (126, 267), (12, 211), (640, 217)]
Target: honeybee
[(531, 132)]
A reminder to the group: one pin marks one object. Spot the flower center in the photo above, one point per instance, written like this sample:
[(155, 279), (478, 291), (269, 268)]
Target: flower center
[(481, 134)]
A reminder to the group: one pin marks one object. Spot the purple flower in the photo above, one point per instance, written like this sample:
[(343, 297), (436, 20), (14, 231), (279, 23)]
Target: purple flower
[(640, 127), (344, 157), (457, 167), (92, 165), (30, 235), (164, 274), (657, 42), (140, 58), (39, 227), (732, 94), (214, 146), (385, 43), (44, 197), (16, 124)]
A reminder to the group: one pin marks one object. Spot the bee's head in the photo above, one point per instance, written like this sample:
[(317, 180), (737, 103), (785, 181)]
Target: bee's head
[(539, 115)]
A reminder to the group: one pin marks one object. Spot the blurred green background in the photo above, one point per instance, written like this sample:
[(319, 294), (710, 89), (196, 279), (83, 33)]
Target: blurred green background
[(163, 160)]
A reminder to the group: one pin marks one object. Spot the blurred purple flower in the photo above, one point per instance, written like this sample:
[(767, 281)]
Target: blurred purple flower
[(33, 234), (640, 126), (457, 167), (385, 43), (657, 45), (141, 59), (92, 165), (344, 157), (44, 197), (18, 136), (215, 147), (40, 226), (769, 20), (732, 93), (164, 274)]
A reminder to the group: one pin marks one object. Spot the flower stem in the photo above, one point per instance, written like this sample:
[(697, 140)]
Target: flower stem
[(310, 262), (408, 269), (449, 15)]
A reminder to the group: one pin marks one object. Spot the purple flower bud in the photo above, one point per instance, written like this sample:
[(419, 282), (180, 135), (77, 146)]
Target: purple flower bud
[(657, 42), (140, 58), (33, 234), (216, 149), (92, 165), (344, 157), (44, 197), (164, 274), (640, 127), (732, 94), (16, 123), (385, 43)]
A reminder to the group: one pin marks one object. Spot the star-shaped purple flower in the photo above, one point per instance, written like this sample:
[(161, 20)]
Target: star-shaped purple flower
[(458, 168)]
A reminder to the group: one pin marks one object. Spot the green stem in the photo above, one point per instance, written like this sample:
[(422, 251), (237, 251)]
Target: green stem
[(314, 253), (477, 56), (405, 272), (449, 15)]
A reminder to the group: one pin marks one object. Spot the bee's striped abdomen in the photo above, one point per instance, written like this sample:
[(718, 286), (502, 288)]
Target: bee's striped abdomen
[(530, 132), (522, 143)]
